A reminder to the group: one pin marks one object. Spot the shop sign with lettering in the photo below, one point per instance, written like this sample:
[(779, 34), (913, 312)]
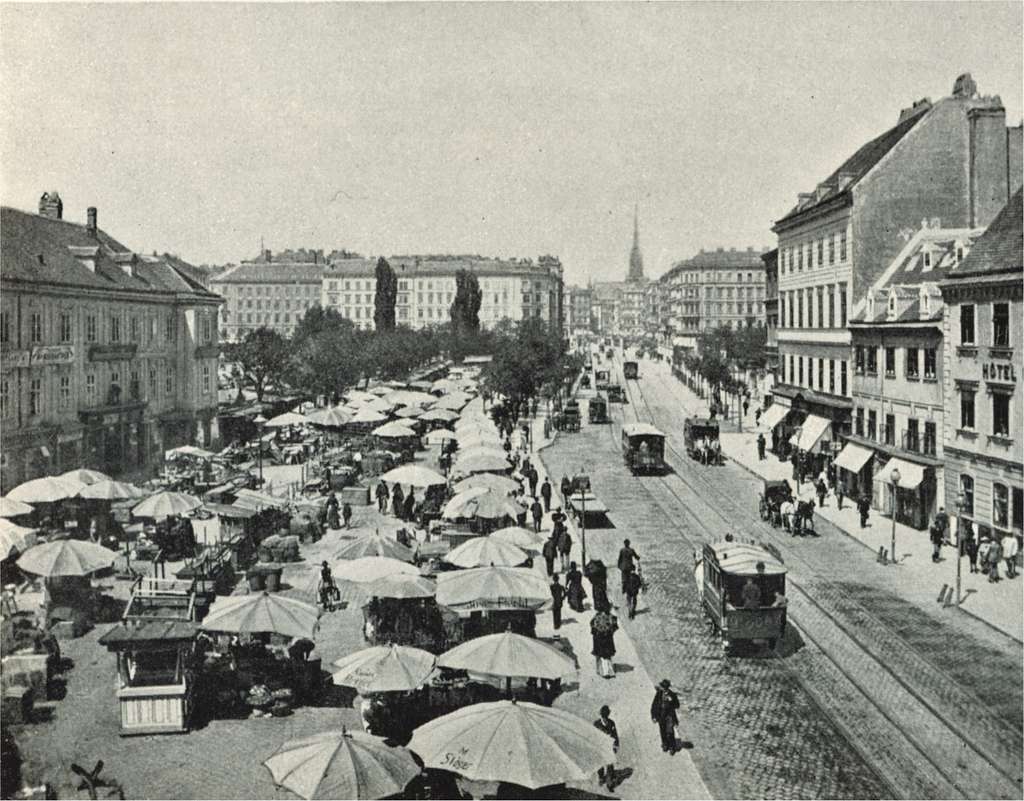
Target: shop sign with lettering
[(15, 358), (998, 372), (53, 354)]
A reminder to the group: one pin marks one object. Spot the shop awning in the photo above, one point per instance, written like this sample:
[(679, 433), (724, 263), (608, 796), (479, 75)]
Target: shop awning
[(853, 458), (811, 431), (911, 475), (774, 415)]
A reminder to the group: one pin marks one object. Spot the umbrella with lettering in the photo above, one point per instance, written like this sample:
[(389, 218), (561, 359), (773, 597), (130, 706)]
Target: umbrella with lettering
[(342, 764), (516, 742), (384, 668), (492, 588)]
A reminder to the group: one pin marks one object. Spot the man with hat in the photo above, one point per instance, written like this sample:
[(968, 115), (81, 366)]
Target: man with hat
[(607, 725), (663, 712), (326, 587)]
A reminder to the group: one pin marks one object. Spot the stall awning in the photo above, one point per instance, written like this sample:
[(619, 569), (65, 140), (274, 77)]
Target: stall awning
[(149, 632), (811, 431), (774, 415), (853, 458), (911, 475)]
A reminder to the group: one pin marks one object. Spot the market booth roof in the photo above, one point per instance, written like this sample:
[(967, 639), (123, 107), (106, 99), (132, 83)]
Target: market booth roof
[(414, 474), (493, 588), (262, 613), (484, 551), (490, 481)]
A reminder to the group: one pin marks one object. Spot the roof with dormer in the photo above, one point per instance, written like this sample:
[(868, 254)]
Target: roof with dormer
[(38, 250), (1001, 248)]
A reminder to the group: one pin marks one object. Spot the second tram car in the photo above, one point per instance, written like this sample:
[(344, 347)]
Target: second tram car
[(643, 448)]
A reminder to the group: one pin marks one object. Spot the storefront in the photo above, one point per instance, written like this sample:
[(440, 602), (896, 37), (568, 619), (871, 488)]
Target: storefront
[(115, 437), (853, 469), (916, 490)]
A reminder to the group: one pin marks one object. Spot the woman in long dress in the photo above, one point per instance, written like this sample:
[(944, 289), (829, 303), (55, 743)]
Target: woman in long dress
[(574, 592)]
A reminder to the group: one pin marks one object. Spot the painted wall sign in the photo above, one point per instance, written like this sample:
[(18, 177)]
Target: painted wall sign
[(53, 354), (998, 372)]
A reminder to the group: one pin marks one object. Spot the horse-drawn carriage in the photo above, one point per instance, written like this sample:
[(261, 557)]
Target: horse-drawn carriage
[(643, 448), (778, 506), (700, 435), (598, 410), (601, 379), (631, 371), (568, 418), (616, 394)]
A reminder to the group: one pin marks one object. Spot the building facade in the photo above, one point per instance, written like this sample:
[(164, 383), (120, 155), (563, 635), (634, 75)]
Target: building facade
[(983, 358), (267, 294), (619, 306), (577, 303), (898, 380), (954, 163), (771, 313), (108, 357)]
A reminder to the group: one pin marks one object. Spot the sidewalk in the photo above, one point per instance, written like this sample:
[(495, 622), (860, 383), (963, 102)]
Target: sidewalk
[(643, 770), (1000, 605)]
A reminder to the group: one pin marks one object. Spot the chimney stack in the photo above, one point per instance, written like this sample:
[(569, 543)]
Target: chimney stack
[(50, 205), (90, 220)]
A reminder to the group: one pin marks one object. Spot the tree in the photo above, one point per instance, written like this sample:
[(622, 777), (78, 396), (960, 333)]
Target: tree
[(465, 310), (264, 356), (528, 360), (317, 320), (386, 297)]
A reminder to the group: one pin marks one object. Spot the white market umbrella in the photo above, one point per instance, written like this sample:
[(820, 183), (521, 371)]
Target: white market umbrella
[(286, 419), (519, 537), (262, 613), (515, 742), (491, 481), (481, 463), (110, 490), (400, 585), (394, 431), (409, 397), (375, 545), (484, 551), (493, 588), (438, 436), (45, 490), (367, 416), (454, 401), (166, 503), (359, 396), (371, 568), (384, 668), (409, 412), (66, 558), (342, 764), (12, 508), (83, 476), (414, 474), (508, 654), (442, 415), (15, 538), (188, 450), (480, 502), (335, 417), (380, 390)]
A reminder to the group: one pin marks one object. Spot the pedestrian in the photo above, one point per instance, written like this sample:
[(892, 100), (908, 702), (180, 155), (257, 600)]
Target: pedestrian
[(822, 491), (969, 538), (326, 587), (597, 573), (1010, 548), (548, 552), (935, 534), (863, 506), (602, 632), (995, 556), (333, 520), (606, 775), (563, 542), (566, 489), (663, 712), (757, 416), (746, 405), (410, 506), (633, 581), (346, 513), (840, 492), (532, 478), (557, 599), (397, 501), (942, 522), (574, 592), (332, 502), (760, 446), (795, 461), (538, 512), (545, 493), (627, 562), (382, 497)]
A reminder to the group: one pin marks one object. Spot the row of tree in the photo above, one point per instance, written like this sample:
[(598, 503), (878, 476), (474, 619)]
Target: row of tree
[(721, 349)]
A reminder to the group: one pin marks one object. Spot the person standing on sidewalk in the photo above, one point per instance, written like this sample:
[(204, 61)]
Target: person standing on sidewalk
[(821, 491), (1010, 547), (574, 591), (545, 493), (995, 556), (538, 513), (663, 712), (935, 534), (557, 599), (564, 545), (969, 542), (633, 582), (757, 416), (863, 506), (346, 513), (760, 447), (605, 723), (626, 563), (548, 552), (532, 478), (839, 495), (382, 497), (566, 489)]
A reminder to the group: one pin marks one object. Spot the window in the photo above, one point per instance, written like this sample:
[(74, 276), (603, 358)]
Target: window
[(169, 384), (966, 408), (1000, 414), (5, 327), (842, 246), (1000, 505), (842, 377), (967, 325), (913, 442), (858, 360), (842, 305), (115, 328), (65, 391), (90, 388), (36, 327), (911, 365), (832, 376), (170, 328), (1000, 325), (1018, 508), (5, 391), (872, 424), (206, 378), (821, 373), (967, 488), (152, 382), (872, 354), (65, 327), (858, 423), (929, 363), (831, 250), (35, 397), (821, 252), (800, 310), (831, 306), (929, 439), (890, 362), (800, 370), (810, 372), (133, 329), (890, 429)]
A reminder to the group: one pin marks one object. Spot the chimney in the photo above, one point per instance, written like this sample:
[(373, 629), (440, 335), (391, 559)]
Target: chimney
[(90, 220), (50, 205), (987, 159)]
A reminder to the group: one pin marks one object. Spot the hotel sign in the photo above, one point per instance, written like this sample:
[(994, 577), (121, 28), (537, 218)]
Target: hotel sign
[(998, 372), (39, 355)]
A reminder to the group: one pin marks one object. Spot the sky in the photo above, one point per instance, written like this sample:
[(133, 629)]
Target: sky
[(502, 129)]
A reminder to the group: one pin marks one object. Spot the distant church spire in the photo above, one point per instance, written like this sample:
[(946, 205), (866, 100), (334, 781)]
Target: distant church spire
[(636, 259)]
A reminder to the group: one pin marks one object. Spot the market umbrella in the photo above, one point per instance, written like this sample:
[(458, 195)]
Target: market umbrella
[(286, 419), (474, 443), (491, 451), (371, 568), (188, 450), (409, 397), (517, 536), (45, 490), (414, 474), (409, 411), (66, 558), (380, 390), (393, 431), (342, 764), (444, 415), (490, 481), (367, 416), (15, 538), (480, 463), (375, 545), (484, 551), (384, 669), (520, 743), (12, 508), (376, 405), (166, 503), (453, 400), (480, 502), (261, 613), (508, 654), (400, 585), (426, 386), (110, 490), (358, 396), (493, 588), (334, 417), (84, 476), (438, 436)]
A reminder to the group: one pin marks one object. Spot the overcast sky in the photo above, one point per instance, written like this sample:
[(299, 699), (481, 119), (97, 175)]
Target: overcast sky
[(499, 129)]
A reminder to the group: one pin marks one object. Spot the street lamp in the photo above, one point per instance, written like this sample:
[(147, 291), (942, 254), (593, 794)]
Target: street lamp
[(895, 476), (581, 484), (961, 500), (259, 420)]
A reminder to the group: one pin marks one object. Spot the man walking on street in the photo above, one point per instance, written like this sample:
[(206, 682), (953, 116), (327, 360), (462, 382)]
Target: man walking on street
[(566, 488), (538, 512), (822, 491), (936, 537), (346, 513), (605, 723), (633, 582), (1010, 548), (382, 497), (863, 505), (760, 447), (545, 493), (626, 563), (563, 542), (557, 599), (839, 495), (663, 712), (532, 478), (548, 552)]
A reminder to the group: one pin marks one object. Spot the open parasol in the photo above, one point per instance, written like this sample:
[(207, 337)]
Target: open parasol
[(409, 411), (165, 504), (66, 558), (342, 764), (484, 551), (368, 416), (83, 476), (483, 503), (453, 400), (375, 545), (286, 419), (335, 417), (393, 431), (15, 538), (12, 508), (414, 474), (492, 588), (409, 397), (384, 668), (520, 743), (110, 490), (188, 450), (490, 481), (443, 415), (45, 490), (438, 436), (400, 585), (371, 568), (262, 613), (508, 654), (520, 537)]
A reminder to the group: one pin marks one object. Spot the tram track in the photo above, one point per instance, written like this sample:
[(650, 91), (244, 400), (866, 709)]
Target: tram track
[(900, 728)]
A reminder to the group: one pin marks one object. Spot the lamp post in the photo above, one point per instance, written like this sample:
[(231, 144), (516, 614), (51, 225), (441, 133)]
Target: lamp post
[(581, 484), (259, 420), (895, 476), (960, 500)]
